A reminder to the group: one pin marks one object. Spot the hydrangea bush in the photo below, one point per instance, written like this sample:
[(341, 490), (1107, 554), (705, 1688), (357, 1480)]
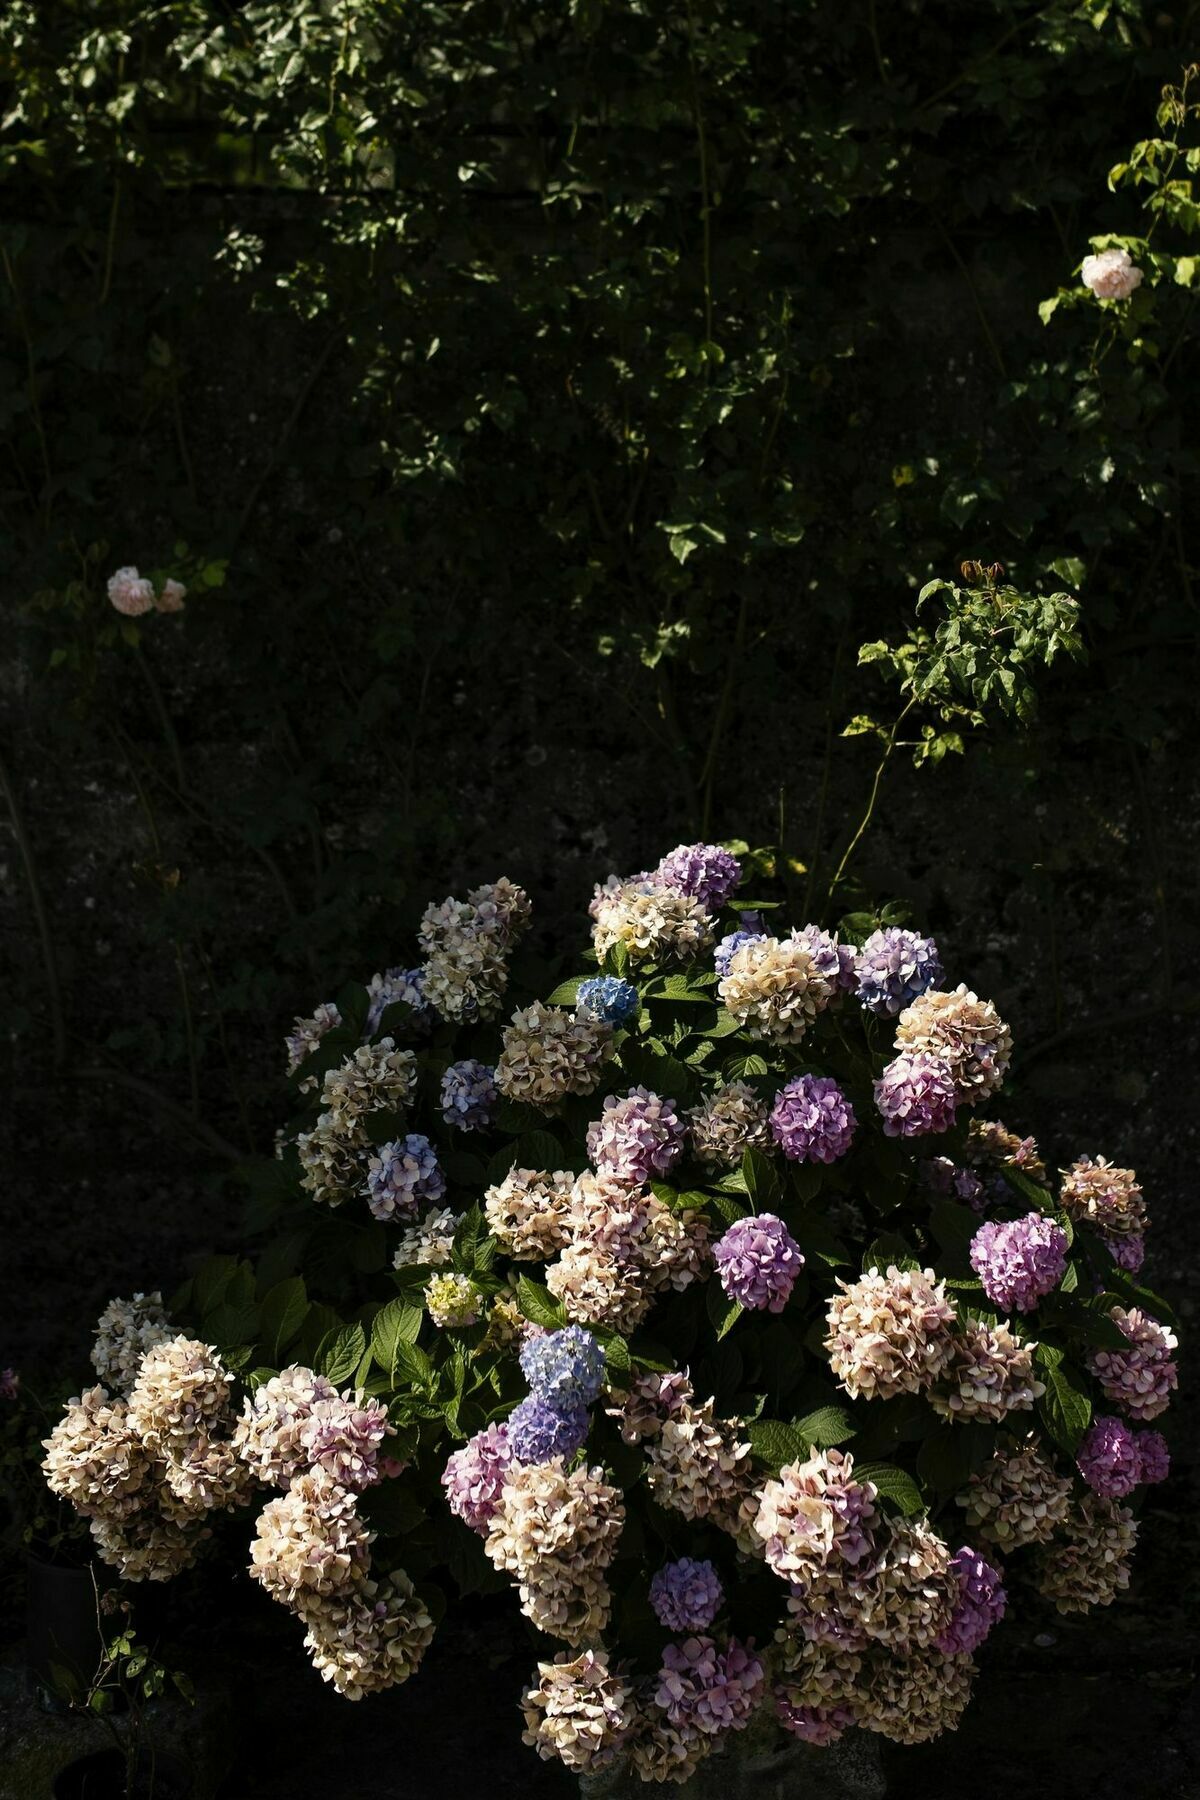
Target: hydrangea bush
[(702, 1302)]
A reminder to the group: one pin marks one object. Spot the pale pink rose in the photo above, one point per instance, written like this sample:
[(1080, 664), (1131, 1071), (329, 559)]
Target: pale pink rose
[(1111, 275), (131, 593), (172, 597)]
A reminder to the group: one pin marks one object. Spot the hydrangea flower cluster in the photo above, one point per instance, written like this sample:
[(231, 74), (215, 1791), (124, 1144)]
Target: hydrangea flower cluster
[(582, 1287), (758, 1261), (893, 968), (133, 595), (812, 1120)]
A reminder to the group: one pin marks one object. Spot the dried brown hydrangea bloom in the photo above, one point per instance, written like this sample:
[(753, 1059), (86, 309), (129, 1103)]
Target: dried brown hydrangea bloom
[(206, 1475), (333, 1159), (549, 1053), (915, 1699), (991, 1144), (149, 1545), (775, 987), (467, 977), (817, 1674), (731, 1121), (623, 1247), (815, 1513), (310, 1540), (579, 1712), (181, 1392), (503, 908), (373, 1077), (989, 1375), (557, 1533), (964, 1032), (1086, 1564), (96, 1462), (1018, 1498), (889, 1334), (700, 1466), (125, 1331), (653, 924), (906, 1596), (651, 1401), (526, 1213), (371, 1638), (659, 1751), (1100, 1195)]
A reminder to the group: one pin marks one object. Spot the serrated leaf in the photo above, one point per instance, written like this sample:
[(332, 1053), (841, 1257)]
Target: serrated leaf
[(539, 1305), (1065, 1406), (774, 1443), (892, 1484), (281, 1316), (567, 992), (397, 1322), (723, 1312), (826, 1427), (340, 1353)]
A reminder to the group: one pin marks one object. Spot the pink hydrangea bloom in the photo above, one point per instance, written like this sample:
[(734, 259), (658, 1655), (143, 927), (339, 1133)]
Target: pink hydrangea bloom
[(131, 593)]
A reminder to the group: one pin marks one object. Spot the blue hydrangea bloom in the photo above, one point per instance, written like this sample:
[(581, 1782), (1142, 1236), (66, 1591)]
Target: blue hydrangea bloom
[(404, 1176), (893, 967), (566, 1368), (605, 997), (393, 985), (468, 1094), (686, 1595), (537, 1430)]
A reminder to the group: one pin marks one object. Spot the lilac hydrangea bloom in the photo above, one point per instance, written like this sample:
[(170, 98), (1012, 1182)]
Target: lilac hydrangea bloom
[(1154, 1459), (705, 871), (468, 1094), (1128, 1250), (538, 1430), (403, 1176), (342, 1435), (565, 1367), (981, 1604), (686, 1595), (1108, 1458), (893, 967), (758, 1261), (639, 1136), (730, 945), (474, 1477), (812, 1120), (397, 984), (709, 1690), (608, 998), (1019, 1260), (916, 1096), (832, 960)]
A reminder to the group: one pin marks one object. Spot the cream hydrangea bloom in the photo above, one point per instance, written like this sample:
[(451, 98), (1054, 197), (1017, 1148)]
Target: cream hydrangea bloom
[(578, 1712), (962, 1031), (889, 1333)]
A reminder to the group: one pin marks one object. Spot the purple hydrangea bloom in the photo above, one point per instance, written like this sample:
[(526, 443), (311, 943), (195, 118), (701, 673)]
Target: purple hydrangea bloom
[(1128, 1250), (468, 1095), (916, 1096), (981, 1604), (705, 871), (474, 1476), (566, 1368), (812, 1120), (397, 984), (893, 967), (538, 1430), (729, 946), (1019, 1260), (638, 1138), (403, 1176), (608, 998), (942, 1175), (686, 1595), (1154, 1459), (820, 1725), (1142, 1377), (1108, 1458), (758, 1261), (833, 960), (706, 1689)]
